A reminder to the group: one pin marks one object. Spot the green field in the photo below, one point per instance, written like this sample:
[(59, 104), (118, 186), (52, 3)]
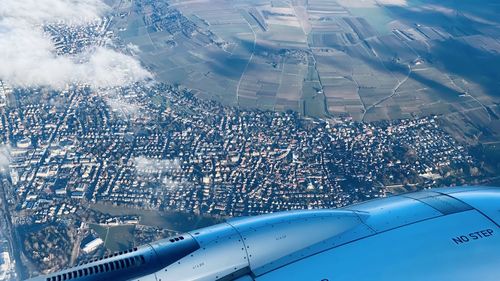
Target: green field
[(117, 237)]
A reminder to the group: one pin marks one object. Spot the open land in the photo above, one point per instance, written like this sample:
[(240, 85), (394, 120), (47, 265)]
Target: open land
[(367, 60)]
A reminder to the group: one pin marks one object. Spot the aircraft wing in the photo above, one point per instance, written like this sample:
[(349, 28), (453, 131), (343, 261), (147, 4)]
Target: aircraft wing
[(438, 234)]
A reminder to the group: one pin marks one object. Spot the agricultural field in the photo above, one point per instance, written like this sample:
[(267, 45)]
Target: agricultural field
[(117, 237), (368, 60)]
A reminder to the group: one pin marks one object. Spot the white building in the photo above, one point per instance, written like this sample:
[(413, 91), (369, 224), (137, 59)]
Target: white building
[(92, 245)]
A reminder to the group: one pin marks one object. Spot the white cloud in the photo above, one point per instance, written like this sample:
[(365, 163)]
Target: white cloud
[(120, 104), (40, 11), (156, 166), (123, 107), (393, 2), (27, 55), (134, 48), (162, 169)]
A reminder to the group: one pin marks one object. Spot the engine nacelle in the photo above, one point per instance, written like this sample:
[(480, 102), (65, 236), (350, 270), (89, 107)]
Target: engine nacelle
[(259, 244), (271, 246)]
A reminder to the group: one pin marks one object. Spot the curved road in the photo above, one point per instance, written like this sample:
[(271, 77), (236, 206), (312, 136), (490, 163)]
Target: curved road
[(394, 91)]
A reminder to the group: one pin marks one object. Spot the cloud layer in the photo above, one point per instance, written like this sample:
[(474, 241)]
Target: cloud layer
[(28, 57), (156, 166)]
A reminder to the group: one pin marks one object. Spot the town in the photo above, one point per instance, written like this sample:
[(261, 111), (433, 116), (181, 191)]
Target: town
[(174, 151)]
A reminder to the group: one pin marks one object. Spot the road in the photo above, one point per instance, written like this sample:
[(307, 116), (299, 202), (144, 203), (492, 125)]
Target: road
[(10, 232), (394, 92), (248, 63)]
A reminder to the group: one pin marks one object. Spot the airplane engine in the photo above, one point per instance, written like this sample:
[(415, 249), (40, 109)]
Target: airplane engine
[(440, 234)]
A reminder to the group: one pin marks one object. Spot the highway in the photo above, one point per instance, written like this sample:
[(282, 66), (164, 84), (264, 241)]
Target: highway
[(11, 234)]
